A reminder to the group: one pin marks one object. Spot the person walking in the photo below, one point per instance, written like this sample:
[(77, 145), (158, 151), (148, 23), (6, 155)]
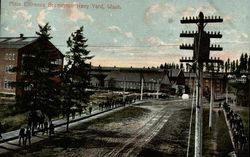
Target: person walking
[(90, 108), (45, 127), (21, 136), (27, 136), (51, 128), (1, 130)]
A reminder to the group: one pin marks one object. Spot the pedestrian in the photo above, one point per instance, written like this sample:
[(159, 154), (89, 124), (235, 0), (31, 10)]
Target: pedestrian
[(236, 139), (1, 130), (51, 128), (219, 112), (21, 136), (243, 141), (220, 105), (45, 127), (28, 136), (90, 108)]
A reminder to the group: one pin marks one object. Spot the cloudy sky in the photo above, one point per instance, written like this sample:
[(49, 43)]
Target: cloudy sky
[(130, 32)]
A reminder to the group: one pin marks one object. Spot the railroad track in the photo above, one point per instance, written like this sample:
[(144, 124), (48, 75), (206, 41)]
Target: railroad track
[(132, 146)]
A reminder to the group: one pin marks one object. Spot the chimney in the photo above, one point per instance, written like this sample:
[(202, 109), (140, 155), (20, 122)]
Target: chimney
[(21, 35)]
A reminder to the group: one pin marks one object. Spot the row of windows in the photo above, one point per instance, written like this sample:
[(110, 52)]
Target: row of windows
[(10, 56), (7, 84)]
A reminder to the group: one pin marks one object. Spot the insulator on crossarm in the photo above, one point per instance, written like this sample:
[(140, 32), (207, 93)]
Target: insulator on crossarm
[(182, 18), (211, 58), (188, 58), (212, 45), (193, 18), (189, 17), (185, 32), (186, 18), (208, 17), (192, 32), (185, 58), (219, 17), (215, 17)]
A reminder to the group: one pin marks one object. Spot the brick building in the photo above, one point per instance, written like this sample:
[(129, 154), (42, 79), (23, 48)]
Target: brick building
[(218, 81), (13, 50)]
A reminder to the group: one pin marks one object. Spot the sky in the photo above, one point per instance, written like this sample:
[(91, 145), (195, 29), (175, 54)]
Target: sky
[(124, 33)]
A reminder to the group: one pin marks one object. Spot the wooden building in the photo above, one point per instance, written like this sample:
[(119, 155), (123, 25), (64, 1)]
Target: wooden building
[(13, 50)]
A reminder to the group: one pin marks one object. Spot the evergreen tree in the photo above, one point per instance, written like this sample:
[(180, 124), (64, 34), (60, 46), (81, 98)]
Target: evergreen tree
[(75, 77), (237, 65), (233, 66), (245, 61), (241, 66), (37, 86), (248, 64)]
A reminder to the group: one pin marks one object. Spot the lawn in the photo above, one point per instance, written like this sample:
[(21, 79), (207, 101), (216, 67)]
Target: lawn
[(217, 142)]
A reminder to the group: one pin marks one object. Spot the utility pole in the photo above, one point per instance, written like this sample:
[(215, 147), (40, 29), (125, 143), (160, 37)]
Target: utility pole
[(0, 18), (211, 102), (201, 51), (142, 88)]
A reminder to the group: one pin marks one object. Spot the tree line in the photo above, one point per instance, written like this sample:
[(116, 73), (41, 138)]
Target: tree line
[(228, 66)]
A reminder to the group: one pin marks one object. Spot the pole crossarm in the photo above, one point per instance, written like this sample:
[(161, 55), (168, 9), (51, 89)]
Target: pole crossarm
[(196, 19), (187, 47), (192, 34)]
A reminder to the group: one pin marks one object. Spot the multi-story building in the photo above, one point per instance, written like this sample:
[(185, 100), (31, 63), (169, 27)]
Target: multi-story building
[(13, 50), (217, 79)]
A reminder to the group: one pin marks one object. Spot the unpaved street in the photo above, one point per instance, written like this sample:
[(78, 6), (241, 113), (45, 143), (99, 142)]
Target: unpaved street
[(125, 133)]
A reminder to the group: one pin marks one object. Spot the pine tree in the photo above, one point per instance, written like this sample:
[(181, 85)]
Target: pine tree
[(37, 85), (248, 64), (75, 77), (233, 66)]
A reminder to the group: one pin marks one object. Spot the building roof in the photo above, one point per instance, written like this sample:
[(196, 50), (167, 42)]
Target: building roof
[(22, 41), (16, 42), (174, 72), (136, 77)]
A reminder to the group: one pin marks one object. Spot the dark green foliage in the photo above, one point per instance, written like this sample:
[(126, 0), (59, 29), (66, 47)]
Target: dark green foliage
[(75, 76), (38, 89)]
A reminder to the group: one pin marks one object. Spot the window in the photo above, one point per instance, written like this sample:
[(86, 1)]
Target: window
[(58, 61), (8, 68), (28, 88), (10, 56), (7, 84)]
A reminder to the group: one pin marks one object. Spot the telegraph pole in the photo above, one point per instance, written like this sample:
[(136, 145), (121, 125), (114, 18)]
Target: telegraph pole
[(201, 50)]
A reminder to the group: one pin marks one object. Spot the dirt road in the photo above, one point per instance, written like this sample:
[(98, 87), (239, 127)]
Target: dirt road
[(122, 134)]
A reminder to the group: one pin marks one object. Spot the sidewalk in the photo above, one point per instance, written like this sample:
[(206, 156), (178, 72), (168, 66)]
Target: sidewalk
[(9, 142)]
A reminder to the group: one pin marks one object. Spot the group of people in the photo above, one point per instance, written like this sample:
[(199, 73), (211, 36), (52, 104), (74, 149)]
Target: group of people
[(237, 127), (115, 102), (25, 134)]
